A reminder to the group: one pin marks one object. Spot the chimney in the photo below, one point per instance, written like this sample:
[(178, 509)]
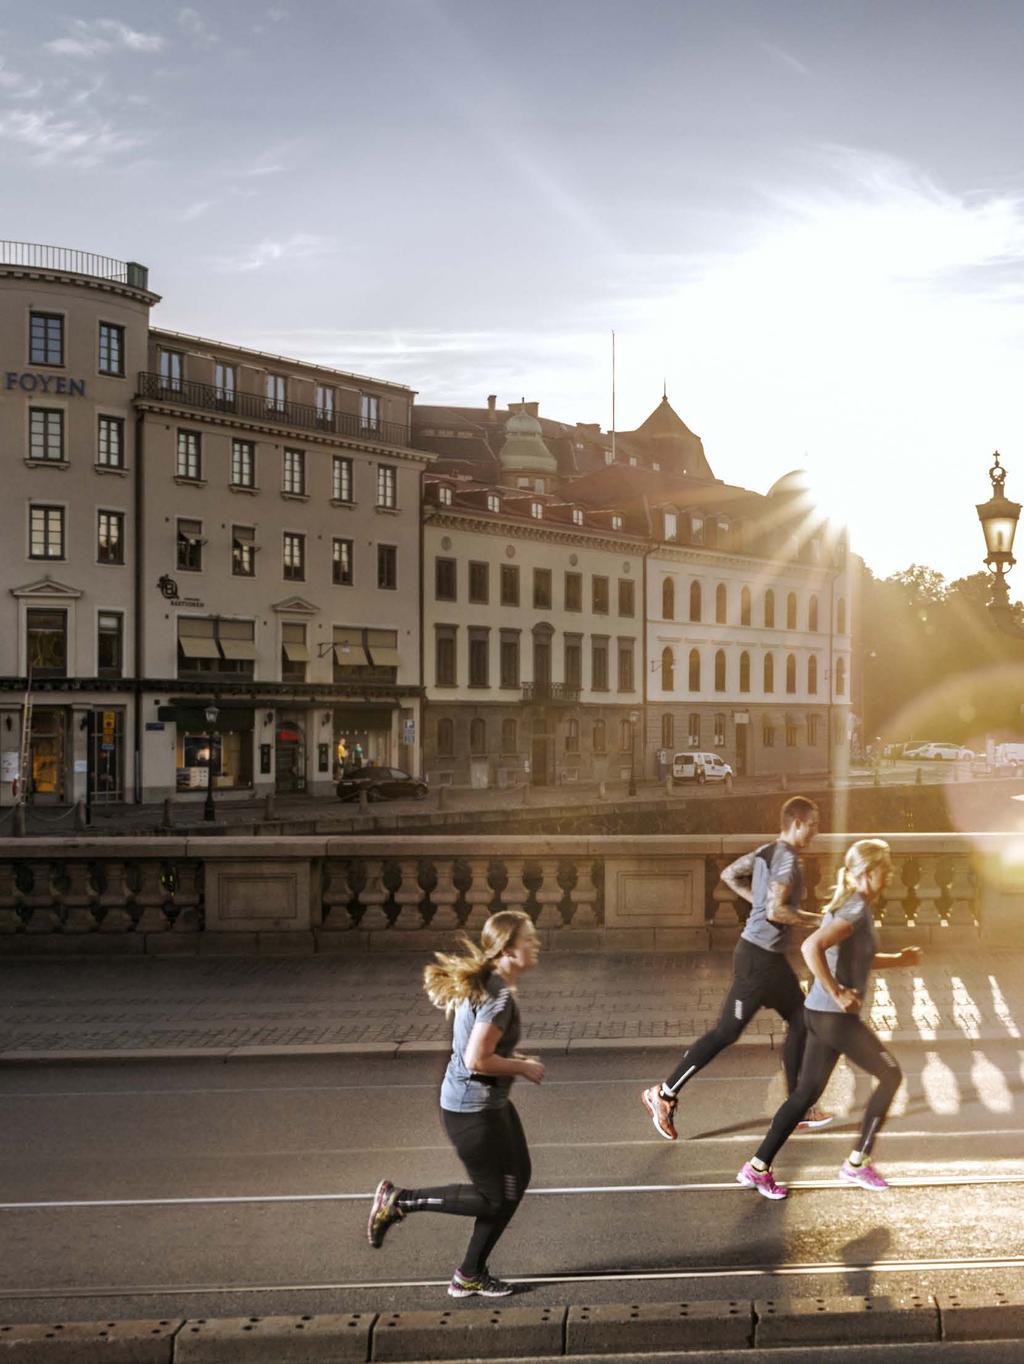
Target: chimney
[(492, 404), (532, 408)]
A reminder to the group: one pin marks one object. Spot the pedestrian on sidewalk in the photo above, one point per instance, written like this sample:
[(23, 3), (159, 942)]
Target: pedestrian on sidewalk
[(841, 954), (478, 985), (771, 880)]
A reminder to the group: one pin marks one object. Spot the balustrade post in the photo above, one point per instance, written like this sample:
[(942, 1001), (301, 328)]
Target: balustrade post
[(373, 897), (479, 895), (186, 898), (114, 899), (152, 898), (79, 899), (516, 892), (337, 894), (549, 896), (41, 900), (10, 898), (584, 896), (444, 895), (927, 914), (409, 897)]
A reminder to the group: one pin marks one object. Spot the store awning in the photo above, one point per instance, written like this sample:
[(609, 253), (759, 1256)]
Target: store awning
[(384, 657), (348, 648), (295, 653), (196, 646), (239, 648)]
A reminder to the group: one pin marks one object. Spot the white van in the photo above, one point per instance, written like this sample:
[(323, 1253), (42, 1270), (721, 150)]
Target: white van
[(700, 767), (1009, 755)]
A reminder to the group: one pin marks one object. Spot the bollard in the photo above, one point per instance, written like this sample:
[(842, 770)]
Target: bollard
[(18, 827), (364, 802), (81, 821), (728, 781), (168, 820), (875, 778), (268, 805), (919, 776)]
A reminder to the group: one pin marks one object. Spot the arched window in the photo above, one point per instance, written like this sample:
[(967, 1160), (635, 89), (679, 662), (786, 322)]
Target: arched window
[(668, 669), (625, 736), (509, 738), (812, 676), (477, 737), (572, 736), (719, 670), (668, 731), (840, 676), (695, 604), (744, 671), (790, 674), (745, 606), (791, 611), (600, 736), (445, 738), (769, 610), (769, 673), (812, 613), (668, 599), (841, 616), (720, 604), (695, 670)]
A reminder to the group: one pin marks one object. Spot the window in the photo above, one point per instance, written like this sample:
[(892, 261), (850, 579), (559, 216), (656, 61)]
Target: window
[(790, 734), (369, 412), (224, 383), (274, 388), (537, 510), (841, 616), (694, 679), (110, 443), (341, 478), (599, 596), (214, 645), (444, 656), (445, 581), (46, 339), (171, 364), (294, 651), (243, 464), (324, 399), (111, 357), (668, 730), (745, 606), (790, 674), (387, 567), (812, 676), (574, 591), (599, 665), (510, 584), (190, 458), (697, 529), (769, 610), (444, 495), (791, 611), (768, 734), (625, 736), (509, 659), (769, 674), (243, 551), (625, 665), (479, 657), (840, 676), (477, 737), (479, 583), (668, 599), (573, 669), (812, 731), (46, 532), (45, 433), (341, 563), (695, 601), (693, 731), (493, 502), (744, 671), (109, 644), (542, 659), (670, 525), (720, 604), (719, 731), (110, 537), (387, 486), (542, 589), (616, 522), (294, 558), (577, 516), (445, 738), (812, 614), (600, 736), (190, 546), (294, 473), (668, 669), (572, 736), (46, 638), (509, 738), (627, 597), (719, 670)]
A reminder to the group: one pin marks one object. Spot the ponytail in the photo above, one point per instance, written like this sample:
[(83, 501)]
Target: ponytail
[(456, 977), (860, 857)]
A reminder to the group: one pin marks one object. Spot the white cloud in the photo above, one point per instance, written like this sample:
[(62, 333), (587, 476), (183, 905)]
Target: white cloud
[(300, 246), (192, 23), (50, 139), (194, 211), (786, 58), (101, 36)]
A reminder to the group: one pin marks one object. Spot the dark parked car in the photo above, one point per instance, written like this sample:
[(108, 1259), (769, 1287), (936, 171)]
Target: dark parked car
[(380, 783)]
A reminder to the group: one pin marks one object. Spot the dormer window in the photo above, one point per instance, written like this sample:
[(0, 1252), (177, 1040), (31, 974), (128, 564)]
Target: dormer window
[(493, 502), (577, 516), (536, 510), (522, 482), (444, 495), (616, 522), (671, 525), (697, 529)]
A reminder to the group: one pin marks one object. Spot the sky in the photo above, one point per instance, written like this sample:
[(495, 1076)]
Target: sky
[(805, 219)]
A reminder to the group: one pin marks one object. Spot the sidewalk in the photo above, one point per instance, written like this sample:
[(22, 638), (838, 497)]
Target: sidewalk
[(230, 1007)]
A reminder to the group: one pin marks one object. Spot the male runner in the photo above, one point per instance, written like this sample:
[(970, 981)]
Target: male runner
[(771, 879)]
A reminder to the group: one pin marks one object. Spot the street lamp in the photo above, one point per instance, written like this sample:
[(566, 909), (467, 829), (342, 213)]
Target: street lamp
[(210, 715), (998, 517), (634, 716)]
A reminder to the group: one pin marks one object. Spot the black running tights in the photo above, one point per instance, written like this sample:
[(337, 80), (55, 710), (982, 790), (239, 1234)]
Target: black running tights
[(829, 1036), (492, 1146)]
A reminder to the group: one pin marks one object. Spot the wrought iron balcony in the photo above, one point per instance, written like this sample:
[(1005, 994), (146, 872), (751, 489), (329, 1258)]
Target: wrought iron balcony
[(257, 407), (36, 256), (550, 693)]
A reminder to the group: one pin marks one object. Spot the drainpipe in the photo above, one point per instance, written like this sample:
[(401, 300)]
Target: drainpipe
[(138, 606), (831, 670)]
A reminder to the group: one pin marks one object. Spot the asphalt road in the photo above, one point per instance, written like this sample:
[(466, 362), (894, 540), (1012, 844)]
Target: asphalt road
[(211, 1188)]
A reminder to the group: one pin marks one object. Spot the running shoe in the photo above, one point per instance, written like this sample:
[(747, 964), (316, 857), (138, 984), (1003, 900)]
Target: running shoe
[(813, 1119), (483, 1286), (384, 1211), (761, 1180), (864, 1176), (662, 1112)]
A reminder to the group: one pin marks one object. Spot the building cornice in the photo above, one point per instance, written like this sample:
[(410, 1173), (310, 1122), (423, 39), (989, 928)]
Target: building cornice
[(527, 529), (712, 558), (103, 286)]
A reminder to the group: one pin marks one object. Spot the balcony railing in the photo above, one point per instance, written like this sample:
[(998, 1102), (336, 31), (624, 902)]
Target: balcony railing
[(259, 408), (550, 693), (36, 256)]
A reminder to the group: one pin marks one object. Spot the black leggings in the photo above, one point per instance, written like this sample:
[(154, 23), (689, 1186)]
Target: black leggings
[(830, 1036), (492, 1146), (761, 980)]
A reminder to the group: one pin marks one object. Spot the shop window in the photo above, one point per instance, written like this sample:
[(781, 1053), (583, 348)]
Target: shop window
[(47, 642), (190, 546), (695, 601), (668, 669), (509, 736), (477, 737), (668, 599), (694, 670), (106, 756), (744, 671), (109, 644), (769, 674), (218, 755), (668, 730), (445, 738), (294, 651), (600, 736), (572, 736)]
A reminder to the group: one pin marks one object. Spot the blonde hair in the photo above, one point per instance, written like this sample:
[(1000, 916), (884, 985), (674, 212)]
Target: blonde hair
[(860, 857), (459, 976)]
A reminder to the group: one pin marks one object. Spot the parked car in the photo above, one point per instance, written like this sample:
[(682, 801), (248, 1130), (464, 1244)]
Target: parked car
[(380, 783), (912, 748), (1009, 756), (943, 752), (700, 767)]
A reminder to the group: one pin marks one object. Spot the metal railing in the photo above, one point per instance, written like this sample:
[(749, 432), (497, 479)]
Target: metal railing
[(555, 693), (257, 407), (37, 256)]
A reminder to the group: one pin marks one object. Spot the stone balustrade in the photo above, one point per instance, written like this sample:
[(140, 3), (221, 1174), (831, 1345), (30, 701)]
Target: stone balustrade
[(220, 894)]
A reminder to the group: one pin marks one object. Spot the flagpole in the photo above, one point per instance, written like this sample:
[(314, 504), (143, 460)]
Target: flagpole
[(613, 397)]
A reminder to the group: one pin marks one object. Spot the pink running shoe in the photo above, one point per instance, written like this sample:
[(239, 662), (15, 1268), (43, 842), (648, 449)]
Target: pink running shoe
[(864, 1176), (761, 1180)]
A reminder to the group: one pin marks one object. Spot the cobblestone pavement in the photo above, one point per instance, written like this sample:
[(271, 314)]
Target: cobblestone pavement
[(272, 1006)]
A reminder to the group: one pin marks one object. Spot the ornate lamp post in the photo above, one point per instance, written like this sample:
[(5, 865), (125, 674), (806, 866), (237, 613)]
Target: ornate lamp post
[(634, 716), (998, 517), (210, 715)]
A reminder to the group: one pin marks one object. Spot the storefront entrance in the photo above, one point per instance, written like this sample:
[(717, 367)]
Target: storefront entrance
[(106, 756), (289, 758), (362, 734), (47, 756)]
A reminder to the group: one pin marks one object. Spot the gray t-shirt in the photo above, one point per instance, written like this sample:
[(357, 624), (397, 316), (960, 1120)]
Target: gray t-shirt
[(773, 862), (461, 1090), (850, 960)]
